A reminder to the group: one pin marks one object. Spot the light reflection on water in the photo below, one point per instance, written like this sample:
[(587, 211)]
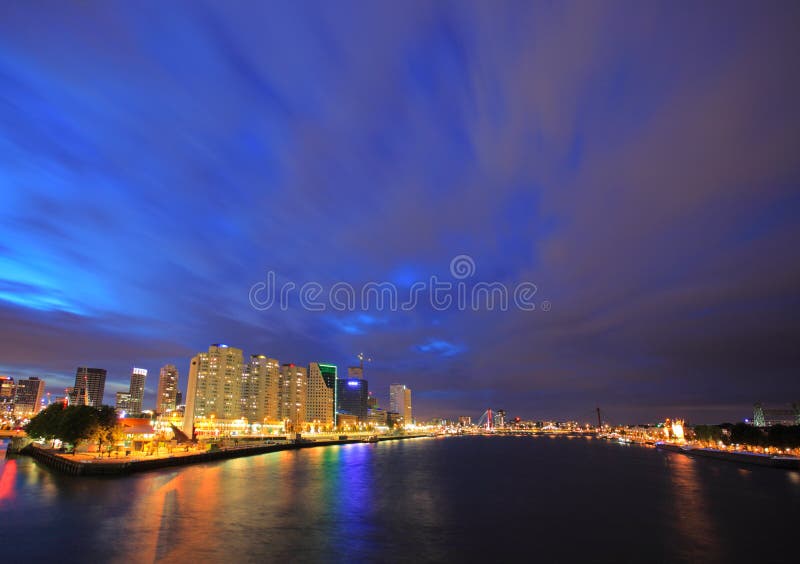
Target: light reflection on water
[(693, 521), (425, 500)]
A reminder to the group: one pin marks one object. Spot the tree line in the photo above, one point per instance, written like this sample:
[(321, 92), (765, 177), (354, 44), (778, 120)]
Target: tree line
[(76, 424), (779, 436)]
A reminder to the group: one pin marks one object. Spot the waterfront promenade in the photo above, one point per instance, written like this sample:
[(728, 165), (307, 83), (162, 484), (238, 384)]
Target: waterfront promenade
[(90, 464)]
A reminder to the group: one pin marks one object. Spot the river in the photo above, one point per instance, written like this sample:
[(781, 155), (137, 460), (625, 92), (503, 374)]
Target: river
[(462, 499)]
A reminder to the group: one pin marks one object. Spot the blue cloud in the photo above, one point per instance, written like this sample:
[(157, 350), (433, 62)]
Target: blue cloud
[(443, 348)]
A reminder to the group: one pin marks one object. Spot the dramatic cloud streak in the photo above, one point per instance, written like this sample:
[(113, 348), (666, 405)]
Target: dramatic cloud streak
[(639, 163)]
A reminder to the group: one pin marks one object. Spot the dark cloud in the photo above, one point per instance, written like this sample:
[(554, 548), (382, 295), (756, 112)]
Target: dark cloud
[(637, 162)]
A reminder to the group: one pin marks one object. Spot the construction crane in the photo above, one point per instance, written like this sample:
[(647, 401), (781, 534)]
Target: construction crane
[(361, 358)]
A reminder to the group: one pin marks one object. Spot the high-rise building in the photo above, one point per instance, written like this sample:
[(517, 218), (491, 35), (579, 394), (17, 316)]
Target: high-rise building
[(215, 385), (260, 389), (90, 385), (355, 372), (28, 397), (178, 398), (400, 401), (138, 377), (123, 402), (320, 396), (292, 395), (372, 401), (6, 394), (351, 398), (167, 395), (330, 374)]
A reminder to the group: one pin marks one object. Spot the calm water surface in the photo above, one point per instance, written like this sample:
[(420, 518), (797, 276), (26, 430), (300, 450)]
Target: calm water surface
[(458, 499)]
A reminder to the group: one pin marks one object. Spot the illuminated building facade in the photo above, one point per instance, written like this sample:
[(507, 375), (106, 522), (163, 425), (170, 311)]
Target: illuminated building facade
[(123, 402), (28, 397), (138, 377), (351, 398), (292, 395), (767, 417), (320, 396), (167, 394), (215, 385), (260, 381), (6, 395), (331, 375), (90, 385), (400, 401)]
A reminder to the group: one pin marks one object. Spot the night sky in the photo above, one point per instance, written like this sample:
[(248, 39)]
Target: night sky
[(638, 161)]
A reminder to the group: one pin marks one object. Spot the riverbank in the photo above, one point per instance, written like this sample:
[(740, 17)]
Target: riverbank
[(68, 464), (782, 462)]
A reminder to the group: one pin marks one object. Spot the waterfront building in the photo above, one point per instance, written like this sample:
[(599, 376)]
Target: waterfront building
[(167, 394), (320, 397), (292, 396), (351, 397), (28, 397), (465, 420), (138, 377), (376, 416), (260, 381), (394, 420), (330, 374), (6, 395), (123, 402), (214, 385), (90, 385), (400, 401), (766, 417), (347, 422)]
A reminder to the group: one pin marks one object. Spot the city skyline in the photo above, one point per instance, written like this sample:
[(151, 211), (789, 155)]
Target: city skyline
[(636, 164)]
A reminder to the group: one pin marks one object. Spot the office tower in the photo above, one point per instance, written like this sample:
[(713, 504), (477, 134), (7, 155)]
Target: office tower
[(292, 395), (400, 401), (320, 396), (123, 402), (215, 385), (178, 398), (372, 401), (138, 377), (331, 375), (167, 395), (6, 394), (351, 398), (355, 372), (260, 389), (90, 385), (28, 397)]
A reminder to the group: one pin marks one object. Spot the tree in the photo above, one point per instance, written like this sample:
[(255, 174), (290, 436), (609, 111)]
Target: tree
[(107, 430), (744, 434), (46, 424), (78, 423), (75, 424)]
